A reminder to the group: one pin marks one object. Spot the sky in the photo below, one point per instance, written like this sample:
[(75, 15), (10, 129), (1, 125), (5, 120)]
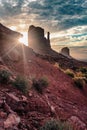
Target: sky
[(66, 20)]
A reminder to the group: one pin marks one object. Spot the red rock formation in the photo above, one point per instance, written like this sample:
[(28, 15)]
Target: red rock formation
[(37, 40), (65, 51)]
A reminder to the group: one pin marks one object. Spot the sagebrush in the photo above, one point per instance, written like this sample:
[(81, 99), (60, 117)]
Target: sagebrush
[(40, 84), (21, 84), (79, 82), (56, 125), (70, 73), (4, 76)]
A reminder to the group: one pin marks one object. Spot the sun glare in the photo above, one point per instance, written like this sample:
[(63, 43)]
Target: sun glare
[(24, 39), (13, 28)]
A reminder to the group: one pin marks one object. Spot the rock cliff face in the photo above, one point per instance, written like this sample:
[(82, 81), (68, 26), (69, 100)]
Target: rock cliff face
[(37, 40), (7, 33), (8, 42), (65, 51)]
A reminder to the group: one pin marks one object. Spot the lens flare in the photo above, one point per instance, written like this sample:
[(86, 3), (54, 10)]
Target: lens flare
[(24, 39)]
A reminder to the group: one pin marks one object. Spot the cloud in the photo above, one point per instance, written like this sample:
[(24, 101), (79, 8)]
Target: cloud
[(79, 52), (61, 15), (66, 14), (10, 8)]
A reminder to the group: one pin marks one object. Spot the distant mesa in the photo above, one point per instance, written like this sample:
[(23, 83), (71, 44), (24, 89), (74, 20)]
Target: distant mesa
[(37, 40), (65, 51)]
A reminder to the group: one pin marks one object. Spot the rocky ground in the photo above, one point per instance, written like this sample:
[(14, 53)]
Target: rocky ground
[(61, 100)]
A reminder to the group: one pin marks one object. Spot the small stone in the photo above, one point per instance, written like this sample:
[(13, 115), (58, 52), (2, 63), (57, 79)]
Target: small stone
[(12, 120), (24, 98), (12, 97), (3, 114), (30, 94)]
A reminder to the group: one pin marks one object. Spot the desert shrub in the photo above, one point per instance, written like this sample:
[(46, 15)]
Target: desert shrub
[(4, 76), (79, 74), (56, 125), (21, 84), (79, 82), (40, 84), (69, 73), (83, 70)]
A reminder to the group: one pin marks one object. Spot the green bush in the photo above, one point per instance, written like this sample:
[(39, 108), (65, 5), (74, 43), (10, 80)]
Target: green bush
[(4, 76), (69, 73), (79, 82), (56, 125), (83, 70), (21, 84), (40, 84)]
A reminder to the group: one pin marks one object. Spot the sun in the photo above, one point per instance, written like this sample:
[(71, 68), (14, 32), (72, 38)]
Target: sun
[(24, 39)]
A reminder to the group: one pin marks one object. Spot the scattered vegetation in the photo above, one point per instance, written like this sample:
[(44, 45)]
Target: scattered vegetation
[(21, 84), (4, 76), (81, 77), (70, 73), (79, 82), (83, 70), (56, 125), (40, 84)]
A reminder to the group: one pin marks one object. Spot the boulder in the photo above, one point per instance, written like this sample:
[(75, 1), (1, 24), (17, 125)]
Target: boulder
[(12, 120), (3, 114)]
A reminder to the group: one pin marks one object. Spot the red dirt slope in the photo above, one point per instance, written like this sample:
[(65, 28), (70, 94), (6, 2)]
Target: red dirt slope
[(62, 99)]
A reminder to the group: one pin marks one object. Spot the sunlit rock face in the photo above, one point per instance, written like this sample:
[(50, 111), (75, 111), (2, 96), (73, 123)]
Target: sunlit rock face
[(8, 42), (37, 40), (65, 51)]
